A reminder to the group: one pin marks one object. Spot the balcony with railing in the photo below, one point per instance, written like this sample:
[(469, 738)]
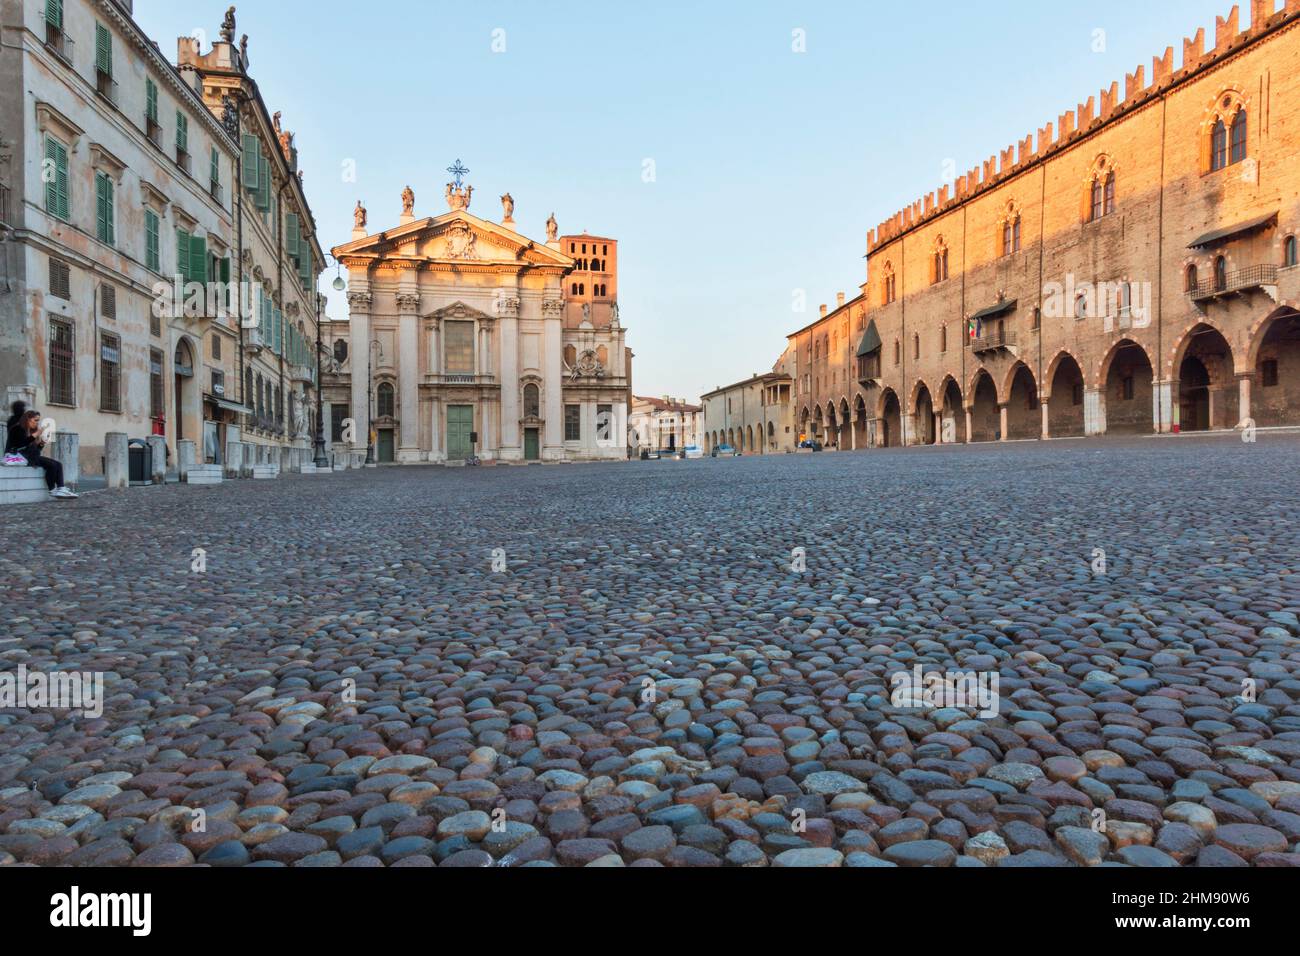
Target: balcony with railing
[(1251, 279), (993, 341), (302, 373), (59, 43)]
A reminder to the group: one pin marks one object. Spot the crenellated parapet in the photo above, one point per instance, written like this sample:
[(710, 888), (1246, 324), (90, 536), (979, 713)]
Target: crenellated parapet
[(1106, 107)]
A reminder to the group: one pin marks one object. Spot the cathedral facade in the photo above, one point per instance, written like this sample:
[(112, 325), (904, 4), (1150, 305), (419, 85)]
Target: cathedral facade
[(467, 339)]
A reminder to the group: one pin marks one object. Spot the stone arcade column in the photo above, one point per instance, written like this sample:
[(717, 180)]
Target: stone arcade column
[(970, 421), (359, 319), (1047, 428), (1243, 398), (1164, 413), (408, 371), (1094, 411), (1003, 418)]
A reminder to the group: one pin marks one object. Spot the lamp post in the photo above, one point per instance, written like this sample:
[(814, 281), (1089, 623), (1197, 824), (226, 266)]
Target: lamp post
[(339, 285)]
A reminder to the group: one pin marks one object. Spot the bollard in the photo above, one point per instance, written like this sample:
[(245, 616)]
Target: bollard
[(184, 458), (117, 467), (234, 459), (67, 450), (157, 458)]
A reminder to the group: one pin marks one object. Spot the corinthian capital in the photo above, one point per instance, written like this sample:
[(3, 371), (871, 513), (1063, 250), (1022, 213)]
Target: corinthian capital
[(408, 301), (359, 301)]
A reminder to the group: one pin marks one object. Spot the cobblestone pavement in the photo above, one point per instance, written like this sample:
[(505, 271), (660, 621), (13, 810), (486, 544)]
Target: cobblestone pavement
[(350, 683)]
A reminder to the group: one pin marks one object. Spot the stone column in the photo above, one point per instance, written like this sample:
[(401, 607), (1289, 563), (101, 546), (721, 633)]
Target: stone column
[(359, 318), (117, 467), (158, 458), (1047, 428), (1243, 398), (969, 425), (1003, 415), (1216, 406), (1094, 411), (511, 446), (1164, 412), (67, 450), (553, 388), (408, 372)]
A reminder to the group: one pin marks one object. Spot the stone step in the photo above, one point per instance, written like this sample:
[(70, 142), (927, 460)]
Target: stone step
[(265, 472), (22, 486)]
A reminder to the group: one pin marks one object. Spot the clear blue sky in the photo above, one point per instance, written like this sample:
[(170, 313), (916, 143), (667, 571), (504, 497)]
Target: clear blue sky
[(770, 165)]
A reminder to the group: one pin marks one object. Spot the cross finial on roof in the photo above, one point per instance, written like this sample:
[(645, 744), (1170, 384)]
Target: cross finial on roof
[(458, 172)]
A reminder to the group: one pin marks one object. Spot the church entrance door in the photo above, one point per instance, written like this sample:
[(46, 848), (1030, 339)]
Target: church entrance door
[(460, 425)]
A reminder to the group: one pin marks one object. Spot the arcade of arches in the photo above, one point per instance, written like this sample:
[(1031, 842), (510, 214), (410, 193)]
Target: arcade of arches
[(1209, 385)]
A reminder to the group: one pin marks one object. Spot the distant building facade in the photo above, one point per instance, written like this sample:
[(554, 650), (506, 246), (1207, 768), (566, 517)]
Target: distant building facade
[(467, 338), (753, 415), (666, 424), (120, 298), (1132, 270)]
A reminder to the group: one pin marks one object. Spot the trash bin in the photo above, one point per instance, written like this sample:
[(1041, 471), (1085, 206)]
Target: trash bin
[(139, 462)]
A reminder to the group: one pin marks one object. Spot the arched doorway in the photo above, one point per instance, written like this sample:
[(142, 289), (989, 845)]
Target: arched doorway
[(1207, 389), (1024, 417), (1065, 401), (923, 417), (891, 420), (986, 419), (953, 418), (185, 398), (1193, 395), (1128, 393), (832, 426), (861, 429), (1275, 392)]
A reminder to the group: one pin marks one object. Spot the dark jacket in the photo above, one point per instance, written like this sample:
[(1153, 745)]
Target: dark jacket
[(18, 439)]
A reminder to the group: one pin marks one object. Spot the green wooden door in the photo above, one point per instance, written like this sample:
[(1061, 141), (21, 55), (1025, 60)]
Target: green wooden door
[(460, 423), (532, 451), (386, 446)]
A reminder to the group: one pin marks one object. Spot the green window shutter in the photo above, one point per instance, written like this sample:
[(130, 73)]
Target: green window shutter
[(198, 259), (292, 232), (55, 172), (102, 210), (151, 100), (151, 257), (251, 165), (263, 182), (103, 49), (225, 269), (182, 131), (305, 270), (54, 12), (109, 212), (183, 254), (215, 171)]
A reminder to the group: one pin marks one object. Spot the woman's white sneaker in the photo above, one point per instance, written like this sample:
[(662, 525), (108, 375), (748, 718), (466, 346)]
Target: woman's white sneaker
[(63, 493), (15, 461)]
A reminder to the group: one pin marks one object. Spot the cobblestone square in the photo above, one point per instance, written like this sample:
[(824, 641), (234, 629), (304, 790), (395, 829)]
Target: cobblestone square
[(683, 663)]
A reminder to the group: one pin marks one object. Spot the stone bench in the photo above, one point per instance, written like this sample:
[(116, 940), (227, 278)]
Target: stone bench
[(22, 486)]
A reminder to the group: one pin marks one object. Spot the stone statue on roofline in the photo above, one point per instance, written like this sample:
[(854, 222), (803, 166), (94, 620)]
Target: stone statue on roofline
[(359, 215), (228, 26), (408, 201), (552, 229)]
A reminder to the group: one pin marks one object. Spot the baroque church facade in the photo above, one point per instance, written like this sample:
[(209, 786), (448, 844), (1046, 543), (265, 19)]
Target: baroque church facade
[(468, 339)]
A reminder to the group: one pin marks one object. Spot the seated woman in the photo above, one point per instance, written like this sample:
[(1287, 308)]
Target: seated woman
[(24, 444)]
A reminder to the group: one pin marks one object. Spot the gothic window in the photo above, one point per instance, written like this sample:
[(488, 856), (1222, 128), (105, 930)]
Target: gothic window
[(1237, 144), (1190, 279), (1219, 146), (1289, 251), (1228, 126), (1011, 230), (1220, 274)]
